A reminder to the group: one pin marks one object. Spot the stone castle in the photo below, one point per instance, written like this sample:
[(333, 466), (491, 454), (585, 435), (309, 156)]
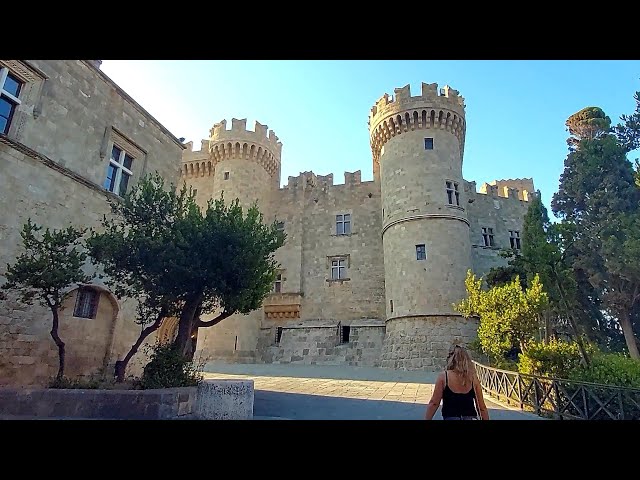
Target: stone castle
[(369, 270)]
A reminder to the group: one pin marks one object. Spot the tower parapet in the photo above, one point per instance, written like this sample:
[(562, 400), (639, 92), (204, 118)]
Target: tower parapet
[(391, 116), (260, 145)]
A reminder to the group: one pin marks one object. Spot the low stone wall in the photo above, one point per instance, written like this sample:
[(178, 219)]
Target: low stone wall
[(213, 399), (225, 400), (321, 345), (160, 404)]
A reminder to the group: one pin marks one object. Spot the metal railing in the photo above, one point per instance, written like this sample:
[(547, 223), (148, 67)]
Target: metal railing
[(560, 398)]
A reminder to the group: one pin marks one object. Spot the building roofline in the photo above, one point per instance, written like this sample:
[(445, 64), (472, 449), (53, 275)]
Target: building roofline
[(128, 97)]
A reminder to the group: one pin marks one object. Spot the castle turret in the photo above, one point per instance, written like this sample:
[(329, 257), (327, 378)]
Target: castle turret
[(417, 145), (242, 164), (246, 163)]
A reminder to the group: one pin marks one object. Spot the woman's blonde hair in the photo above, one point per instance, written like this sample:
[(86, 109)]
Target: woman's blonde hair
[(460, 361)]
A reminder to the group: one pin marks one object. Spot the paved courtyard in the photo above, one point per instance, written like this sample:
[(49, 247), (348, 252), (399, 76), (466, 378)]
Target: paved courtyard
[(313, 392)]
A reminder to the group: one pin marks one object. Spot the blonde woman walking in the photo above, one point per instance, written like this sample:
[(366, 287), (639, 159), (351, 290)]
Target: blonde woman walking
[(459, 390)]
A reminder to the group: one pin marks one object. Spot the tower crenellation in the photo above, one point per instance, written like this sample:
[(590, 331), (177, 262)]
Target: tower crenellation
[(433, 109)]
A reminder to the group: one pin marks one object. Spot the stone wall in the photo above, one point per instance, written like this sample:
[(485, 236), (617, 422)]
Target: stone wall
[(157, 404), (321, 345), (53, 163), (422, 343), (500, 213)]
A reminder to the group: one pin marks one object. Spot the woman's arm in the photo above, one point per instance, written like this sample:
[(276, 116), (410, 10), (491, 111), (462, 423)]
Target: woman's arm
[(434, 403), (482, 408)]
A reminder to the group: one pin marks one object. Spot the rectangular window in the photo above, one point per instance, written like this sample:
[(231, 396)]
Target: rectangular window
[(118, 171), (278, 335), (453, 194), (345, 332), (343, 224), (277, 285), (421, 252), (487, 237), (280, 226), (428, 143), (10, 88), (338, 268), (514, 239), (86, 303), (226, 175)]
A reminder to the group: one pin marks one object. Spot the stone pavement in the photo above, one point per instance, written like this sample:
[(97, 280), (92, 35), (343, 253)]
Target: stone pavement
[(315, 392)]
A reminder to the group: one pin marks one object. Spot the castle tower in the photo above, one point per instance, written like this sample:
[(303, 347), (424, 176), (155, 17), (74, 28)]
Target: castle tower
[(417, 145), (245, 164)]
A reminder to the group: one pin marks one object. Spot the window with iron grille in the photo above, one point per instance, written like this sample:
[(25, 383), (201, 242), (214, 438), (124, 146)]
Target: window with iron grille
[(487, 237), (343, 224), (278, 334), (421, 252), (86, 303), (514, 239), (345, 331), (119, 171), (453, 194), (10, 87)]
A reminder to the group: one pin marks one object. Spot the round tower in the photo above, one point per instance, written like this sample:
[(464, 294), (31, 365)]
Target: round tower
[(245, 164), (417, 145)]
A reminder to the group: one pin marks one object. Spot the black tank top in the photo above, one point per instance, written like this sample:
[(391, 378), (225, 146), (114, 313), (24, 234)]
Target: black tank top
[(458, 404)]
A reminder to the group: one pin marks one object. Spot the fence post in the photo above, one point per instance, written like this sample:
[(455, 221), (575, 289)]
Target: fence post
[(520, 392), (536, 396)]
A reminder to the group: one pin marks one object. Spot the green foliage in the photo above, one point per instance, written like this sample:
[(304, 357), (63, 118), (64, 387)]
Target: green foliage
[(628, 132), (555, 359), (508, 314), (184, 261), (610, 369), (51, 262), (92, 383), (588, 123), (168, 368)]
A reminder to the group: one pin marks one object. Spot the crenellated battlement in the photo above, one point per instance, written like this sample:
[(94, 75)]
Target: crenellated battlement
[(433, 109), (260, 145), (521, 188), (309, 179)]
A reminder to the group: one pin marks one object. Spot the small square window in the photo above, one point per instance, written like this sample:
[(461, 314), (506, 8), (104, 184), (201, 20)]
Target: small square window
[(118, 171), (514, 239), (421, 252), (343, 224), (226, 175), (487, 237), (86, 303), (428, 143), (277, 285), (338, 268)]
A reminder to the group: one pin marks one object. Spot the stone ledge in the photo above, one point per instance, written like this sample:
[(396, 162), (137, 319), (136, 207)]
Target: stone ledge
[(213, 399)]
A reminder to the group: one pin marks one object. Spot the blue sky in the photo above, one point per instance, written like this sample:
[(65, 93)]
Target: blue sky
[(319, 109)]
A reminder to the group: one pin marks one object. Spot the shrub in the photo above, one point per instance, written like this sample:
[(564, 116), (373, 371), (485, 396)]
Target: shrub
[(168, 368), (556, 359), (610, 369)]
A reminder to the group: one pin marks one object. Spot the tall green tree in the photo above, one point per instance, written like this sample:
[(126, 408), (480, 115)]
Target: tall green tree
[(599, 204), (183, 261), (51, 264)]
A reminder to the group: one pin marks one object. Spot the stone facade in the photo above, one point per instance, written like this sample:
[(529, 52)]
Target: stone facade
[(53, 164), (392, 276)]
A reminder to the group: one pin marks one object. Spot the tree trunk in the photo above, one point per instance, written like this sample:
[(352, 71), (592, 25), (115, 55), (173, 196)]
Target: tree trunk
[(572, 322), (58, 341), (547, 327), (629, 337), (186, 323), (121, 365)]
